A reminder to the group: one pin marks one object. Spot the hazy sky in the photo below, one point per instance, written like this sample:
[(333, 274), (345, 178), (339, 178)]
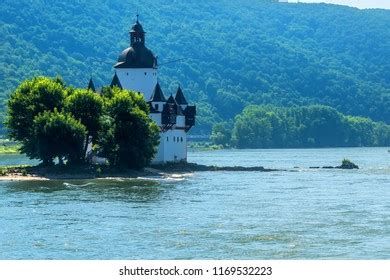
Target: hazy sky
[(385, 4)]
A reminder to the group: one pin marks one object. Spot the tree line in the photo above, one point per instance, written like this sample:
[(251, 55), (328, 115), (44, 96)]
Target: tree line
[(314, 126), (234, 53), (54, 122)]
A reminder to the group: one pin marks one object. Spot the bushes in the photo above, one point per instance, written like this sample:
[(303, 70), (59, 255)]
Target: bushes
[(308, 126), (53, 121), (58, 135), (128, 122)]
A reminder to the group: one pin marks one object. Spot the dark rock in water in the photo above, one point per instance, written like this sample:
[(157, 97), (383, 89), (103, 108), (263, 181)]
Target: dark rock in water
[(314, 167), (193, 167), (347, 164), (328, 167)]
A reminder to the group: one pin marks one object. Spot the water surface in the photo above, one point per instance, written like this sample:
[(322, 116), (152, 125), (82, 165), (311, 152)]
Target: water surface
[(300, 213)]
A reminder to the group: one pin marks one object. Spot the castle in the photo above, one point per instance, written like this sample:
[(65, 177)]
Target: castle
[(136, 70)]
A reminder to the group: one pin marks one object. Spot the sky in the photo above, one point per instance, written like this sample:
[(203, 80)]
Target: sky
[(384, 4)]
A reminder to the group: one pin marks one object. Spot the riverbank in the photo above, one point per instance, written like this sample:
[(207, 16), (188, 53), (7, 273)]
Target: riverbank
[(8, 147), (36, 173), (82, 172)]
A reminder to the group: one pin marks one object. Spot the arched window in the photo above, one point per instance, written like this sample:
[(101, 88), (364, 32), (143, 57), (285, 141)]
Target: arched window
[(167, 139), (181, 139)]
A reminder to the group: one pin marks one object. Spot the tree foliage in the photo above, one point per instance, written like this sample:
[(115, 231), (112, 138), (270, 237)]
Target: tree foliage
[(296, 127), (51, 120), (58, 135), (235, 53), (87, 107), (129, 137), (30, 99)]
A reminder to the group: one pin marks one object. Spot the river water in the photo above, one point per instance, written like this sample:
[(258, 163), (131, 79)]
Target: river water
[(299, 213)]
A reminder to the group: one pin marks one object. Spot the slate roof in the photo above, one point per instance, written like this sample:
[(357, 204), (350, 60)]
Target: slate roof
[(171, 100), (158, 95), (180, 99), (137, 56), (91, 85), (116, 82), (137, 28)]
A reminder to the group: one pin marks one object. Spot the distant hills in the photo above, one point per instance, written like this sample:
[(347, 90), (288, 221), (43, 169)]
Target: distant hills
[(234, 53)]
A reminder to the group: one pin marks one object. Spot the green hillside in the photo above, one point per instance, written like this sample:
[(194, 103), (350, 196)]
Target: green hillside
[(235, 53)]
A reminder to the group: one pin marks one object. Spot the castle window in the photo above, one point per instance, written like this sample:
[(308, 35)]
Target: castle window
[(156, 107), (127, 73), (167, 139), (181, 139), (145, 73), (174, 138)]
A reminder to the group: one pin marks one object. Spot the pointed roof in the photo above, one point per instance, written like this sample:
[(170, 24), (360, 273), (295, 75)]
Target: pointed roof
[(171, 100), (116, 82), (91, 85), (180, 99), (158, 95), (137, 27)]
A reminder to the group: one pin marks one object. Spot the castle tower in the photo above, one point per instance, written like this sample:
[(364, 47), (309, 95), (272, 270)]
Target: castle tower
[(137, 66), (136, 70)]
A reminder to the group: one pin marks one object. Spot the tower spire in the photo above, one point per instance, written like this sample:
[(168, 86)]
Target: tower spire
[(91, 85), (115, 82), (137, 33)]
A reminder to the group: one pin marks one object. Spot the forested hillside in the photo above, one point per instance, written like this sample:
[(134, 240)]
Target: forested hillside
[(234, 53)]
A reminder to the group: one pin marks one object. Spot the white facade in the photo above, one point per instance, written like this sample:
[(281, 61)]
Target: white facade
[(173, 142), (138, 79), (137, 70)]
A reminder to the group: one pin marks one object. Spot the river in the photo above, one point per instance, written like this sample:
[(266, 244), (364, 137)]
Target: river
[(299, 213)]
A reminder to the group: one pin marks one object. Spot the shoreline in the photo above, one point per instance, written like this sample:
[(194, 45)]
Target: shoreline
[(174, 170), (168, 170)]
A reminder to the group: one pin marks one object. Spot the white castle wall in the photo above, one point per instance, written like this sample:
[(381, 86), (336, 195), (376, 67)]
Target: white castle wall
[(138, 79), (160, 156), (175, 146), (180, 121), (156, 117), (173, 143)]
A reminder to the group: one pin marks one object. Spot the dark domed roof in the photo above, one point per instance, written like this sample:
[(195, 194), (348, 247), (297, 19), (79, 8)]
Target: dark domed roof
[(137, 27), (137, 56)]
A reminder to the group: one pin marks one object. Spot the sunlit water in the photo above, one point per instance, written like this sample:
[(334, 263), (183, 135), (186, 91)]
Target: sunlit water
[(299, 213)]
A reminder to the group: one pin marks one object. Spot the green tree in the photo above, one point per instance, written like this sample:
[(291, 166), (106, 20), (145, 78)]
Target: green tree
[(58, 135), (307, 126), (87, 107), (128, 138), (31, 98), (222, 134)]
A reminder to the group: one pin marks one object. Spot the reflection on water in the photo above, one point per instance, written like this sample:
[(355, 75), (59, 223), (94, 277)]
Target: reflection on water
[(16, 159), (307, 214), (129, 190)]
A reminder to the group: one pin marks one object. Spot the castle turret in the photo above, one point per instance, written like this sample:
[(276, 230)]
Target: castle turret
[(91, 85), (115, 82), (137, 65), (158, 99), (180, 99), (136, 70)]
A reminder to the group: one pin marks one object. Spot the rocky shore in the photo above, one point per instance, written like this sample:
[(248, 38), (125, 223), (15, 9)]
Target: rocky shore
[(34, 173), (25, 173)]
